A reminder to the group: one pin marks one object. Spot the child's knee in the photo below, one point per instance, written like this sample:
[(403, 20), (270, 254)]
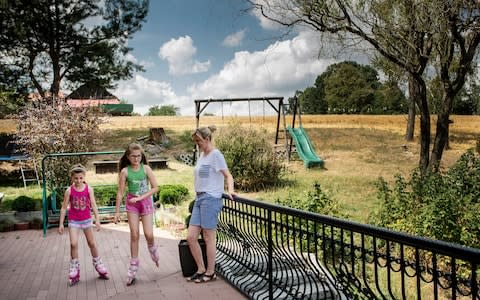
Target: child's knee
[(134, 236)]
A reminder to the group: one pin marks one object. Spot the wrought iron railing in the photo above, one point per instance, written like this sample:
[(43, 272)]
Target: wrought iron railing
[(273, 252)]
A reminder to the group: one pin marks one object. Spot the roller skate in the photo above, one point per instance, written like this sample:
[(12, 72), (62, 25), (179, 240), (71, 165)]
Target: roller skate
[(132, 271), (100, 267), (74, 273), (154, 254)]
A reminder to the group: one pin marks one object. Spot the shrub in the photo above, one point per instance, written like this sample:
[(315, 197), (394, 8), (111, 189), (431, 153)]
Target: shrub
[(186, 139), (442, 205), (315, 200), (250, 158), (6, 205), (172, 193), (52, 129), (6, 225), (23, 203), (105, 195)]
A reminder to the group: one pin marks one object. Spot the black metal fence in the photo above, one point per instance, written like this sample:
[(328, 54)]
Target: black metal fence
[(273, 252)]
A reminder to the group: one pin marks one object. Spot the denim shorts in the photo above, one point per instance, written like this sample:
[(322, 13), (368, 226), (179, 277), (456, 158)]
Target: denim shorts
[(141, 208), (82, 225), (205, 211)]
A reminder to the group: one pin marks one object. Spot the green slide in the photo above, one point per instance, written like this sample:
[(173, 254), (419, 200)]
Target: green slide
[(304, 147)]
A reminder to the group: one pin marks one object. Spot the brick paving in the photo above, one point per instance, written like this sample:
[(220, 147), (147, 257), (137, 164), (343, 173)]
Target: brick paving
[(34, 267)]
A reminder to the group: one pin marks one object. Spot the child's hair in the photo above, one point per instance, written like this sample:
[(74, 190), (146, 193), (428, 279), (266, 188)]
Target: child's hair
[(77, 168), (124, 159), (205, 132)]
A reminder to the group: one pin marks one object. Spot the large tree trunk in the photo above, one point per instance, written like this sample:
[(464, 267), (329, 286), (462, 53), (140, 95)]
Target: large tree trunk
[(419, 93), (411, 112), (441, 135)]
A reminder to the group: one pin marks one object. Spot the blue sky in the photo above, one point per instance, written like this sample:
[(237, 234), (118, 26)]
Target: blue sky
[(197, 49)]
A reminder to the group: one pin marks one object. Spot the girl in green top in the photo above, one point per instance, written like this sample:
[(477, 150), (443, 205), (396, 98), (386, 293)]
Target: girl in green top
[(137, 176)]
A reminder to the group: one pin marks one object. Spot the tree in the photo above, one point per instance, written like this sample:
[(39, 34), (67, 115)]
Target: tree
[(52, 41), (409, 34), (13, 91), (349, 87), (164, 110)]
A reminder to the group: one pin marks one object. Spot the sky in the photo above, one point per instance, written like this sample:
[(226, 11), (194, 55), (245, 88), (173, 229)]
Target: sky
[(202, 49)]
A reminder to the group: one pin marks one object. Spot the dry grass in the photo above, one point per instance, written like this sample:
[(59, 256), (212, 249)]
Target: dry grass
[(357, 149)]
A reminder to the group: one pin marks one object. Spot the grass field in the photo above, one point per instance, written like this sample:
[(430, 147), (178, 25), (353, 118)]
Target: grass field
[(357, 150)]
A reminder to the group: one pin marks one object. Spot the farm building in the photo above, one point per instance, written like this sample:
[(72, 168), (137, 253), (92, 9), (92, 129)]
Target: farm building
[(92, 94)]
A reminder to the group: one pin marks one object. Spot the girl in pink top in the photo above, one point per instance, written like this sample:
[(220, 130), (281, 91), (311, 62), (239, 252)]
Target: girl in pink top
[(79, 199)]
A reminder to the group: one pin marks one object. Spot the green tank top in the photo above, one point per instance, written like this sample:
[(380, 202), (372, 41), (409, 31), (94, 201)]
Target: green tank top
[(137, 181)]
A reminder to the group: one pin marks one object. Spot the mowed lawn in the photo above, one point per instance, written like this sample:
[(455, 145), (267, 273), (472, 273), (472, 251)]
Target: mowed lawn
[(357, 150)]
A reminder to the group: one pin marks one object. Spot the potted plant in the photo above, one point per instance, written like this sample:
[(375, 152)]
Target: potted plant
[(36, 223), (25, 209), (6, 225)]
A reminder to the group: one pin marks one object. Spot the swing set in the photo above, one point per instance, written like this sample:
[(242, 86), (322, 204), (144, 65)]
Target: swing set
[(296, 139)]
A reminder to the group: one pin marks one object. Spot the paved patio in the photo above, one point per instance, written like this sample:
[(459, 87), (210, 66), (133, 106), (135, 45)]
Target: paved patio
[(34, 267)]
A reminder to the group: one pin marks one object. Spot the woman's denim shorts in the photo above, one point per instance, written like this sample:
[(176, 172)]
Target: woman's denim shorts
[(205, 211)]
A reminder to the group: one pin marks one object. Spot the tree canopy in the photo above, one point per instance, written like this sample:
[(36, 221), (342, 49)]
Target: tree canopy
[(409, 34), (350, 88), (74, 41), (164, 110)]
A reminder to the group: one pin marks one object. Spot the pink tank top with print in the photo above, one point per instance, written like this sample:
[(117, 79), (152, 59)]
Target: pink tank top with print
[(79, 204)]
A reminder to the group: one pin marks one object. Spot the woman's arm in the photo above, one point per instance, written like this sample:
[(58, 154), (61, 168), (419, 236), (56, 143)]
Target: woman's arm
[(230, 182)]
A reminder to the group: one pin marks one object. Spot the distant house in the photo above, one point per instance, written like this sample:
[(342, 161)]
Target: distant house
[(91, 94)]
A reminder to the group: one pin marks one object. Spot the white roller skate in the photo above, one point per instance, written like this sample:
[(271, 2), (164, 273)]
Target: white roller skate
[(154, 254), (100, 267), (132, 270), (74, 273)]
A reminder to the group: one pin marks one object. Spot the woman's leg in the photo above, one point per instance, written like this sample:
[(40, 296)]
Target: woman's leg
[(192, 238), (133, 223), (210, 241)]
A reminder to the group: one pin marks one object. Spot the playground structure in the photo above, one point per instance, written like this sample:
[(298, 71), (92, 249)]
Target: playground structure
[(296, 139), (27, 164)]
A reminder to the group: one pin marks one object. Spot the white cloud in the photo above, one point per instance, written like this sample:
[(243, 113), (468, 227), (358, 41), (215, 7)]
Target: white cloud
[(144, 93), (234, 39), (180, 56), (145, 63), (279, 70), (278, 9)]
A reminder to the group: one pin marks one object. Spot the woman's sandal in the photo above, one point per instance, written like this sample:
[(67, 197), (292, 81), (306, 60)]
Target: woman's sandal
[(206, 278), (195, 276)]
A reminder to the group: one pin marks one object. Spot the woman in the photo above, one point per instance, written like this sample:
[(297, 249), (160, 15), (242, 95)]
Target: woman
[(210, 174)]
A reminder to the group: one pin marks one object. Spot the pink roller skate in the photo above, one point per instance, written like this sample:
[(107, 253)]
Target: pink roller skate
[(100, 267), (74, 273), (154, 254), (132, 270)]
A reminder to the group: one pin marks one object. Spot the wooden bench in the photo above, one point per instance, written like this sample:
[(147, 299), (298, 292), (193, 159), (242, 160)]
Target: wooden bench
[(111, 166)]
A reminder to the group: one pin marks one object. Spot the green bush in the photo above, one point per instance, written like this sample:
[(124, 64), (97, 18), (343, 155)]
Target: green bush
[(105, 195), (442, 205), (6, 205), (172, 193), (315, 200), (250, 158), (23, 203), (186, 139), (6, 225)]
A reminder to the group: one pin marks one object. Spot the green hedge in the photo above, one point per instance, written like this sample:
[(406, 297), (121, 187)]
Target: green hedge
[(172, 193), (23, 203)]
